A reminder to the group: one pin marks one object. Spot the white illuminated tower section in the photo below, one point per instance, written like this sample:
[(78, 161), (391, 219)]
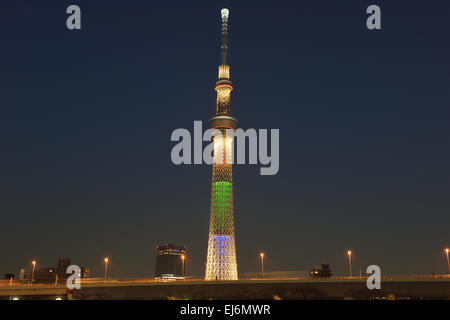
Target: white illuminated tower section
[(221, 259)]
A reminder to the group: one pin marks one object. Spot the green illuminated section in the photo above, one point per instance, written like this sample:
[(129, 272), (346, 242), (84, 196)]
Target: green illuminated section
[(222, 201)]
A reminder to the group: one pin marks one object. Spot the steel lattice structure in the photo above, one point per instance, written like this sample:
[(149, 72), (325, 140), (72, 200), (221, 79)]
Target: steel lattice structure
[(221, 258)]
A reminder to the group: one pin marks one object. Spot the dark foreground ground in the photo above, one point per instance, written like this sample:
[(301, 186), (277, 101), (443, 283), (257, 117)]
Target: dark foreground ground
[(330, 289), (286, 290)]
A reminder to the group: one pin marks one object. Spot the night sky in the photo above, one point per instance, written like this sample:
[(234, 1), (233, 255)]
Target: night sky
[(86, 119)]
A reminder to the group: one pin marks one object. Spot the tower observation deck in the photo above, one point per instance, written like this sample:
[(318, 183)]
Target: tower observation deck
[(221, 257)]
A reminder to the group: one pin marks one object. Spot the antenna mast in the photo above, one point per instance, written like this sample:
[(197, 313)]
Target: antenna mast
[(225, 13)]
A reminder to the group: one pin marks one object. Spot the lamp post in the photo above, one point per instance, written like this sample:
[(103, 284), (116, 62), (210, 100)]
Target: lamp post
[(448, 261), (349, 253), (34, 268), (182, 265), (106, 267), (10, 289), (262, 264)]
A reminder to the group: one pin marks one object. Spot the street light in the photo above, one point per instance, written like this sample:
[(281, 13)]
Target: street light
[(349, 253), (448, 261), (106, 267), (182, 266), (34, 268), (262, 264)]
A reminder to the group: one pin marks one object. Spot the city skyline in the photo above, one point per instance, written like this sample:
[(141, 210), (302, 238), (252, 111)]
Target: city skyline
[(362, 115)]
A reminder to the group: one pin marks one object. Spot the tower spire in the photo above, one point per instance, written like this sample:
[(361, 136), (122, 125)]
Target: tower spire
[(224, 85), (225, 13)]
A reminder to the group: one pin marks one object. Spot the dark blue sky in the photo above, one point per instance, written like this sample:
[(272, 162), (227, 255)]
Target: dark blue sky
[(86, 118)]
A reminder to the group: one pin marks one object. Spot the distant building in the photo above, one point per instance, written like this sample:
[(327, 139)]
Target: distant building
[(321, 271), (57, 274), (170, 262), (45, 275), (61, 269)]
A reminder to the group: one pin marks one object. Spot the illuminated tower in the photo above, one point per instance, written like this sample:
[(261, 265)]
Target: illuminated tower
[(221, 260)]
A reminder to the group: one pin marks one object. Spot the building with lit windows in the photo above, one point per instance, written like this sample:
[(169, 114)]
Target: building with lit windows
[(59, 273), (170, 261)]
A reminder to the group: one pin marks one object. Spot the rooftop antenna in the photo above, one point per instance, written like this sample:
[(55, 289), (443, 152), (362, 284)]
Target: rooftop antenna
[(225, 13)]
